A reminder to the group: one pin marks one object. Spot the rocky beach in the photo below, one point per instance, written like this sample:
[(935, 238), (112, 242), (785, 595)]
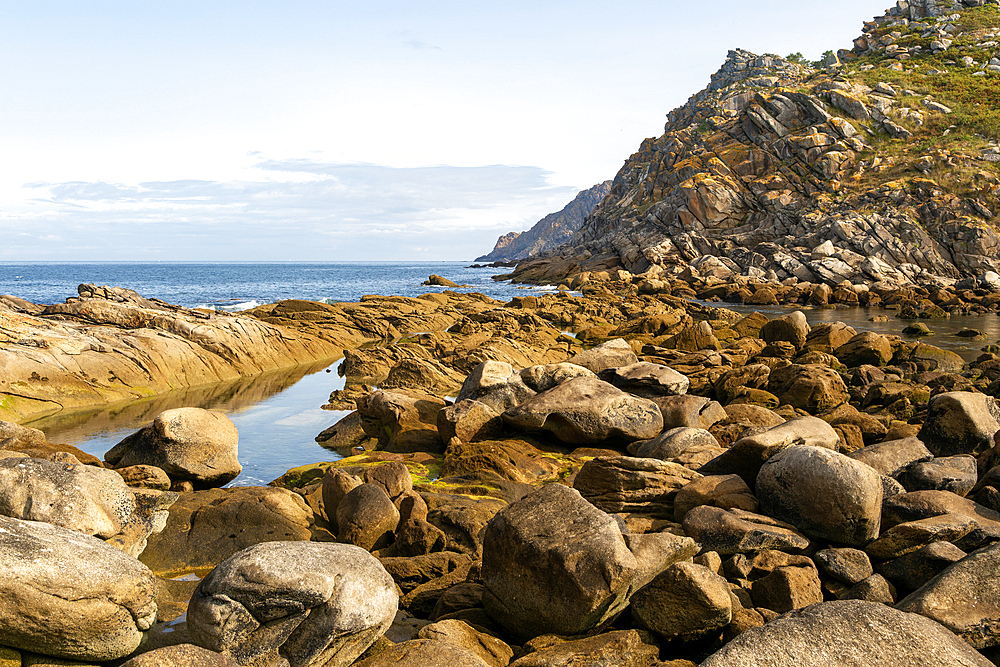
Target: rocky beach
[(638, 469)]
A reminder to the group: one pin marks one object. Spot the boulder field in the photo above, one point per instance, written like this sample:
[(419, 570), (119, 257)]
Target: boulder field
[(675, 484)]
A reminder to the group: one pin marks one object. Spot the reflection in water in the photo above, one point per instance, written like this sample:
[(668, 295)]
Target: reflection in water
[(945, 331), (277, 414)]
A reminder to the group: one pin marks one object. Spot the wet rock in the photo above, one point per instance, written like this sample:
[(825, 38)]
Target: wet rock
[(685, 601), (627, 484), (612, 354), (960, 422), (587, 411), (734, 531), (189, 444), (308, 603), (646, 379), (847, 632), (946, 597), (824, 494), (69, 595)]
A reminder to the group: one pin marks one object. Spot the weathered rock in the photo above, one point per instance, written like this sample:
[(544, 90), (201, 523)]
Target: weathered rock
[(893, 456), (690, 411), (206, 527), (811, 387), (492, 651), (725, 491), (844, 564), (345, 435), (735, 382), (957, 474), (468, 420), (847, 632), (646, 379), (866, 347), (872, 589), (787, 588), (735, 531), (916, 568), (612, 354), (189, 444), (965, 598), (828, 336), (145, 477), (792, 328), (621, 648), (552, 562), (308, 603), (627, 484), (546, 376), (497, 385), (904, 538), (402, 421), (336, 484), (960, 422), (426, 653), (366, 517), (685, 601), (70, 595), (681, 445), (181, 655), (586, 411), (824, 494), (748, 454)]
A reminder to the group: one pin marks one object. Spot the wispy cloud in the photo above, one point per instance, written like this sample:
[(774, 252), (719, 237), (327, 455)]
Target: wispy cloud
[(378, 211)]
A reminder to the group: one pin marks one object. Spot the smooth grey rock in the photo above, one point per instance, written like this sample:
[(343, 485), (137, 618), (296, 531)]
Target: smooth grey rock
[(647, 379), (734, 531), (611, 354), (847, 633), (546, 376), (894, 456), (957, 474), (496, 384), (308, 603)]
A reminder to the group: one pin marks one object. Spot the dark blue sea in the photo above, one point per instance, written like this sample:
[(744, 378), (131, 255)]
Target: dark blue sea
[(237, 286)]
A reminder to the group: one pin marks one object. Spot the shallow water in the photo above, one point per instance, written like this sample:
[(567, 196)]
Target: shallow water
[(277, 414)]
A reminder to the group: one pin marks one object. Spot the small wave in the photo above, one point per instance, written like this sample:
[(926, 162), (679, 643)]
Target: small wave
[(230, 308)]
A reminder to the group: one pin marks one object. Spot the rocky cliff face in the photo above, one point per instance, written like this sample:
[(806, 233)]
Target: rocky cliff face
[(880, 168), (551, 231)]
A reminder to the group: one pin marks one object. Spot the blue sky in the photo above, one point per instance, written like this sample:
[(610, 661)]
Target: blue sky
[(333, 130)]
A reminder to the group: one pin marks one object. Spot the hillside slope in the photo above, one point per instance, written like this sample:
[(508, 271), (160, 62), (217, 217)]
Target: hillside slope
[(879, 169), (549, 232)]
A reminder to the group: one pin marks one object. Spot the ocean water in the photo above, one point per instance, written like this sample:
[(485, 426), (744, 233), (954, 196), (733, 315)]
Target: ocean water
[(238, 286)]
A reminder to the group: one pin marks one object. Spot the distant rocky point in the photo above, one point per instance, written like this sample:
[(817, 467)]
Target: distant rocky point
[(549, 232)]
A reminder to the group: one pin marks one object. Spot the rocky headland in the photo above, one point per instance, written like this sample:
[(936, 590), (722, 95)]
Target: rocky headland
[(627, 474)]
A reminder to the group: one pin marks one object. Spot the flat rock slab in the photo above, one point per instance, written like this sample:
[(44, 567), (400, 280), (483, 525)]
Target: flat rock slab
[(647, 379), (730, 532), (627, 484), (848, 633)]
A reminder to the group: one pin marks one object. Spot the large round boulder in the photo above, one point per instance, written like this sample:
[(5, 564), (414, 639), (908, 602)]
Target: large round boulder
[(811, 387), (824, 494), (70, 595), (554, 563), (189, 444), (307, 603), (612, 354), (847, 633), (585, 410)]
